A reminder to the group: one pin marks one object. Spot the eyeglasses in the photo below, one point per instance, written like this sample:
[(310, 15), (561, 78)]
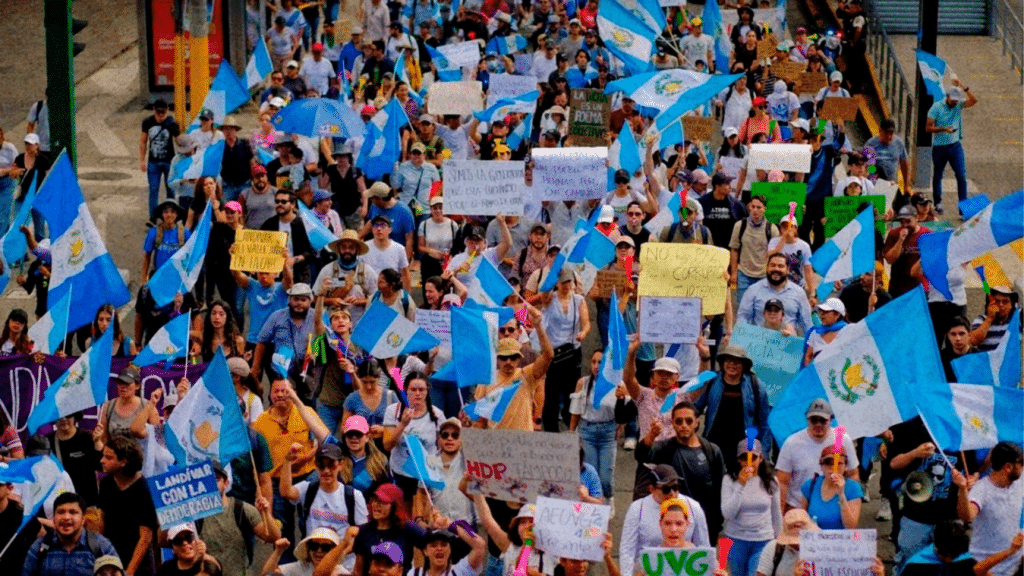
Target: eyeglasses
[(314, 547), (181, 539), (511, 358), (506, 330), (635, 214), (684, 420), (282, 201), (669, 488), (380, 225), (450, 435), (817, 420)]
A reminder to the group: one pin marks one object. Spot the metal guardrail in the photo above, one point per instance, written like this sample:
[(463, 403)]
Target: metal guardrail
[(896, 91), (1009, 30)]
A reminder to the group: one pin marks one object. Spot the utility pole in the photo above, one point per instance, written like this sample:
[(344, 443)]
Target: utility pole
[(198, 55), (60, 75), (180, 56), (927, 40)]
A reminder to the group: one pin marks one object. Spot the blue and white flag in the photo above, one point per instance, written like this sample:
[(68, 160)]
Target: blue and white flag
[(13, 244), (693, 98), (79, 257), (382, 141), (207, 424), (683, 392), (474, 364), (521, 133), (974, 416), (205, 162), (493, 405), (999, 367), (416, 466), (446, 71), (181, 271), (627, 36), (385, 334), (169, 342), (659, 89), (319, 234), (669, 137), (972, 205), (83, 386), (613, 362), (586, 252), (575, 249), (932, 70), (525, 103), (264, 156), (487, 286), (227, 93), (50, 330), (851, 252), (667, 215), (506, 45), (998, 224), (624, 152), (647, 11), (36, 478), (866, 373), (715, 27), (259, 66)]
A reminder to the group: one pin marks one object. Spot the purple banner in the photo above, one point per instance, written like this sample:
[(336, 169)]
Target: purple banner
[(23, 381)]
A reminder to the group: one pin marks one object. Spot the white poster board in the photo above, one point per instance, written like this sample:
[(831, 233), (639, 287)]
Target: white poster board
[(669, 320), (570, 529), (785, 157), (886, 188), (438, 323), (518, 466), (664, 3), (578, 173), (486, 187), (731, 166), (509, 85), (834, 552), (458, 98), (461, 54)]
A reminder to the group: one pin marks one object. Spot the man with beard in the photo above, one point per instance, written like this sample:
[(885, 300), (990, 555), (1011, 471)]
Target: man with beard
[(350, 281), (994, 507), (534, 255), (987, 330), (285, 219), (70, 550), (901, 251), (287, 330), (258, 201), (796, 306)]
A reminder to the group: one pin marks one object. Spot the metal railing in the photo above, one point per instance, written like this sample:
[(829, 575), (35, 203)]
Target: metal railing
[(896, 91), (1009, 30)]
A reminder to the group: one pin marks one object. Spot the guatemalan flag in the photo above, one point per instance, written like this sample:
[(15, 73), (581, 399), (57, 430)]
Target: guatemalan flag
[(13, 244), (446, 71), (227, 93), (79, 257), (999, 367), (259, 66), (525, 103), (206, 162), (586, 252), (49, 331), (83, 386), (382, 141), (385, 334), (319, 234), (658, 89), (624, 153), (207, 424), (36, 478), (493, 405), (851, 252), (521, 133), (866, 373), (487, 286), (415, 465), (974, 416), (626, 36), (715, 27), (997, 224), (932, 70), (475, 364), (506, 45), (169, 342), (181, 271), (609, 375), (693, 98)]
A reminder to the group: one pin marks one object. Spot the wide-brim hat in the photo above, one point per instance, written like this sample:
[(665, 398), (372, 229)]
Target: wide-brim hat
[(739, 353), (321, 533), (159, 210), (349, 236)]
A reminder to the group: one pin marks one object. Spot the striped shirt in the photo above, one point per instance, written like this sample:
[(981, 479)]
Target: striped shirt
[(995, 332)]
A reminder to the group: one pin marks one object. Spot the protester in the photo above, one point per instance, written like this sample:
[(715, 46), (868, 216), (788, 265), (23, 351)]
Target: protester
[(832, 499), (127, 513)]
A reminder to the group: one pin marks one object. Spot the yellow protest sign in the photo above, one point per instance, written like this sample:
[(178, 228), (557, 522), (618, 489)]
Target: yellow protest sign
[(258, 251), (685, 270)]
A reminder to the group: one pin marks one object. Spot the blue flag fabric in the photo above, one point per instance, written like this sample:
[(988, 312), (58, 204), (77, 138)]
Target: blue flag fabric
[(36, 478), (416, 464), (180, 273), (259, 66), (609, 375), (169, 342), (206, 162), (627, 36), (83, 386), (488, 287), (715, 27), (493, 405), (973, 416), (382, 143), (446, 72), (319, 234), (526, 102), (227, 93), (932, 70), (851, 252), (49, 331), (506, 45), (624, 153), (521, 133), (476, 364), (693, 98), (385, 334), (79, 257), (13, 244), (999, 367)]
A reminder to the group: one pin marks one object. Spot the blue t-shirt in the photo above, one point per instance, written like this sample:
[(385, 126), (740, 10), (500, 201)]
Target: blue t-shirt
[(167, 248), (402, 222), (262, 303), (946, 116), (591, 480), (827, 514), (354, 404)]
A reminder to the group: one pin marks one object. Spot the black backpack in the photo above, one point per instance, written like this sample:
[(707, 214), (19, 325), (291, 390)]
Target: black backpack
[(307, 503), (243, 526)]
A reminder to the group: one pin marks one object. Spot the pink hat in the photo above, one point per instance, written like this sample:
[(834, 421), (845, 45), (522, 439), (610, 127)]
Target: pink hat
[(357, 423), (368, 110), (233, 206)]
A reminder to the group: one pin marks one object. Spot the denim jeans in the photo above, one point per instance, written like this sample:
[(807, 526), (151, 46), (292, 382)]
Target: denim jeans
[(233, 191), (7, 188), (155, 171), (953, 154), (284, 512), (742, 283), (913, 538), (330, 416), (743, 557), (598, 440), (446, 396)]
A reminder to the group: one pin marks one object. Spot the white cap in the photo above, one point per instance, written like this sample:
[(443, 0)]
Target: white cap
[(277, 102), (730, 131), (833, 305), (668, 364), (32, 138), (802, 124), (179, 528), (953, 93), (292, 64), (607, 215), (836, 76)]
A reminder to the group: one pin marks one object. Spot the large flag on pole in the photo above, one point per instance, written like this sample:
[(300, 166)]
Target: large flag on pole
[(169, 342), (385, 334), (626, 36), (83, 386), (659, 89), (259, 66), (475, 364), (974, 416), (999, 367), (851, 252), (49, 331), (13, 243), (227, 93), (614, 359), (180, 273), (36, 476), (932, 69)]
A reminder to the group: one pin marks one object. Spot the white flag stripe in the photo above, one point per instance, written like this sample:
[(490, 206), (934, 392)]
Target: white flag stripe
[(76, 248), (975, 407), (395, 337)]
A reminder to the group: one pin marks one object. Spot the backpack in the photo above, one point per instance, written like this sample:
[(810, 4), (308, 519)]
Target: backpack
[(777, 558), (767, 232), (307, 504), (160, 236), (243, 527), (701, 233), (92, 541), (755, 387), (405, 300)]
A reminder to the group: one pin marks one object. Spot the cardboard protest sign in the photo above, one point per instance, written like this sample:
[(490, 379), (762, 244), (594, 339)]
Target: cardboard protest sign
[(258, 250), (461, 54), (677, 561), (669, 320), (576, 173), (779, 195), (811, 82), (437, 323), (840, 210), (484, 187), (776, 358), (509, 85), (590, 110), (698, 128), (766, 48), (844, 109), (459, 98), (839, 552), (610, 280), (519, 466), (570, 529), (785, 157), (685, 270), (342, 31), (788, 70), (185, 494)]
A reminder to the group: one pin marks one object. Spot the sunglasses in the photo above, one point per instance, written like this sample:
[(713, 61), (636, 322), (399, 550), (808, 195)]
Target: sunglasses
[(817, 420), (684, 420), (669, 488), (353, 434), (282, 201), (506, 330), (325, 547), (325, 463), (829, 461), (183, 539), (511, 358), (450, 435)]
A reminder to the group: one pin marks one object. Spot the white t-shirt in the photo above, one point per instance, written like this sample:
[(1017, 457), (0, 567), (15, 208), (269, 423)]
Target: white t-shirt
[(317, 74), (328, 510), (461, 568), (393, 257), (425, 428), (997, 522), (438, 236), (299, 568), (253, 407), (800, 455)]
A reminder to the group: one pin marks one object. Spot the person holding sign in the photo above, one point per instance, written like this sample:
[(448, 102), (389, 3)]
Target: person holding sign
[(780, 556), (751, 507), (514, 542), (831, 498), (674, 519)]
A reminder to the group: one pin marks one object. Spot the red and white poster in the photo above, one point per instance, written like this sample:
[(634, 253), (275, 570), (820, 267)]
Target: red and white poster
[(160, 25)]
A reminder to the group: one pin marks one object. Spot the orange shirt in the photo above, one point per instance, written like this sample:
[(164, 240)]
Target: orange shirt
[(280, 440)]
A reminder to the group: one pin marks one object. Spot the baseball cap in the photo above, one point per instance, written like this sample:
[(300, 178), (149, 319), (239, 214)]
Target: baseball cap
[(388, 493), (720, 178), (756, 450), (907, 212), (357, 30), (701, 176), (919, 198), (173, 531), (292, 64), (802, 124), (105, 561), (819, 407), (426, 118), (32, 138), (130, 374), (206, 114), (477, 232), (607, 215), (509, 346), (379, 190), (436, 200), (565, 275), (759, 101), (663, 473), (418, 147), (836, 76), (368, 110), (730, 131), (626, 240), (317, 47), (833, 305), (388, 550), (381, 218), (301, 289), (258, 169), (357, 423), (321, 195), (955, 93), (276, 102), (774, 303), (238, 366), (668, 364), (329, 450), (453, 422)]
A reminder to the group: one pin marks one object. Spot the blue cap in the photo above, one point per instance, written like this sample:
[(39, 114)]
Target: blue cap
[(321, 194)]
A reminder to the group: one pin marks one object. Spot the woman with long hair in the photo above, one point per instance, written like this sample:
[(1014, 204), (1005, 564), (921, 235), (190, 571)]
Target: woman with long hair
[(219, 331), (218, 258), (208, 190), (418, 418), (342, 358), (123, 345), (248, 389), (389, 522), (512, 540), (364, 465), (751, 507), (117, 415), (434, 289), (370, 399), (759, 122), (437, 550), (391, 292), (674, 520), (596, 426), (436, 237), (14, 338)]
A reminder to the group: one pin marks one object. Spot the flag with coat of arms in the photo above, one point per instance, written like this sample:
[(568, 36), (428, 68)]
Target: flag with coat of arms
[(385, 334), (974, 416), (83, 386), (626, 35)]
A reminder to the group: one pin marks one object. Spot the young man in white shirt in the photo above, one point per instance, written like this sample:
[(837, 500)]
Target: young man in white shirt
[(383, 252)]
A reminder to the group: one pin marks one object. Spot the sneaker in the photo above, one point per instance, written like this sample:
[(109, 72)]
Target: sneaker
[(884, 511), (629, 444), (611, 508), (867, 497), (938, 208)]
